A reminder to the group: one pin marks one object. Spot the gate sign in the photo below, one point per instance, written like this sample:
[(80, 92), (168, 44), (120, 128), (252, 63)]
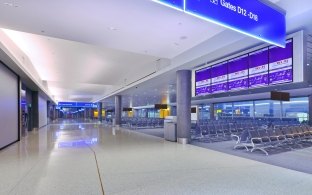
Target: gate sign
[(250, 17), (77, 104)]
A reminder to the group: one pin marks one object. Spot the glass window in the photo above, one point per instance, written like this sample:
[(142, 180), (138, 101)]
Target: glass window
[(297, 108), (222, 110), (204, 112), (268, 108), (243, 109)]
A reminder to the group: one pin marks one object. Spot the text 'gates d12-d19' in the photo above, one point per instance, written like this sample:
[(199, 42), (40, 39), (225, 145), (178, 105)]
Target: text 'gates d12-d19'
[(254, 18)]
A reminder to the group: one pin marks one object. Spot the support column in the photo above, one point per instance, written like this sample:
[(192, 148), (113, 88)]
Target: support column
[(310, 110), (35, 110), (85, 114), (117, 110), (211, 110), (100, 111), (183, 106), (53, 113)]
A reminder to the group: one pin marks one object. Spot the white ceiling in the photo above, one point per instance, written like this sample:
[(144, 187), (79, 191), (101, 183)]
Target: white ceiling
[(88, 49), (85, 50)]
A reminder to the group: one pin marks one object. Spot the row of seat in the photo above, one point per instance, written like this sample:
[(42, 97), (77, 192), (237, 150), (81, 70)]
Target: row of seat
[(272, 138), (258, 121), (136, 123), (217, 132)]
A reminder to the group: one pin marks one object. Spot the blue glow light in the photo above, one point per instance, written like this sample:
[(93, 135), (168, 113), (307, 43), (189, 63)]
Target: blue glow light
[(174, 4), (251, 18)]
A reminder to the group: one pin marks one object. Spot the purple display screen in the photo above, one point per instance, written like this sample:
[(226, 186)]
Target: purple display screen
[(258, 68), (267, 66), (238, 73), (281, 63), (203, 81), (219, 77)]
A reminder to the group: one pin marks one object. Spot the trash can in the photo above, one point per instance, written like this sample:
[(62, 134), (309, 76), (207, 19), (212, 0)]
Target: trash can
[(170, 131)]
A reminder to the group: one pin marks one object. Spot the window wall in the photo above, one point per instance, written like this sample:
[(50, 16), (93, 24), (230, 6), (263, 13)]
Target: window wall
[(243, 109), (223, 110), (295, 108), (204, 112)]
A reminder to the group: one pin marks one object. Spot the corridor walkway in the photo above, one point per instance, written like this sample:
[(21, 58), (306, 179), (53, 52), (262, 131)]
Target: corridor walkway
[(89, 158)]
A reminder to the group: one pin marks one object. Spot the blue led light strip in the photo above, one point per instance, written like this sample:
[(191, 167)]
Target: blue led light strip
[(252, 18)]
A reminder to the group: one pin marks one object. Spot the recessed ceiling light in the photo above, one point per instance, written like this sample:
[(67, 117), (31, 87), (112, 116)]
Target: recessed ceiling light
[(112, 28), (10, 4)]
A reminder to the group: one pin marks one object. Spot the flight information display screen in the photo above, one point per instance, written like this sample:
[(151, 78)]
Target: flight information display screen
[(267, 66), (258, 68), (219, 78), (281, 63), (203, 81), (238, 73)]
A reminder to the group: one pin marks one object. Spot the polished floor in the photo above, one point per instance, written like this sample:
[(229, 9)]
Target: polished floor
[(86, 158)]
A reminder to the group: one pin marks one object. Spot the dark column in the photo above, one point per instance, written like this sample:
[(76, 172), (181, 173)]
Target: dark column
[(117, 110), (211, 110), (310, 109), (100, 111), (183, 106), (35, 110)]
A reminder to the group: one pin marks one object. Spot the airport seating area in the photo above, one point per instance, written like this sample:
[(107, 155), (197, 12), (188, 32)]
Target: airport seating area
[(275, 138), (139, 123), (255, 134)]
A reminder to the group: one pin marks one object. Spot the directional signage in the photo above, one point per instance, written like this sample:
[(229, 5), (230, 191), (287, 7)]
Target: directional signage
[(67, 104), (253, 18), (77, 104)]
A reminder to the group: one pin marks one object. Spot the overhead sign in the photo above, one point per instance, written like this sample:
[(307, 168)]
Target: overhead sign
[(253, 18), (67, 104), (176, 4), (77, 104), (86, 105)]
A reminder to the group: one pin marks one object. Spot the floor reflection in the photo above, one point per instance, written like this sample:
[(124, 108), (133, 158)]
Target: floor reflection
[(67, 135)]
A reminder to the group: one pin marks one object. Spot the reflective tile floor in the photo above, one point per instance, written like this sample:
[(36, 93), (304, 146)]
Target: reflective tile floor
[(84, 158)]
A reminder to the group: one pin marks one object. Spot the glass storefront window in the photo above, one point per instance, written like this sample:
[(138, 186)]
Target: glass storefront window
[(296, 108)]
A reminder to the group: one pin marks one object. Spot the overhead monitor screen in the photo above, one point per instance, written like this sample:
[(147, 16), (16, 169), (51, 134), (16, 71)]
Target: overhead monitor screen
[(219, 78), (238, 73), (203, 81), (264, 67), (281, 63), (258, 68)]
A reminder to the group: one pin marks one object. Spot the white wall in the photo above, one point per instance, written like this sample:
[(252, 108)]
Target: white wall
[(43, 119), (8, 107)]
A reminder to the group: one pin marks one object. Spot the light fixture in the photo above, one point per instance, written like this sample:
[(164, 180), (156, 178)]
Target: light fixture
[(112, 28), (10, 4)]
